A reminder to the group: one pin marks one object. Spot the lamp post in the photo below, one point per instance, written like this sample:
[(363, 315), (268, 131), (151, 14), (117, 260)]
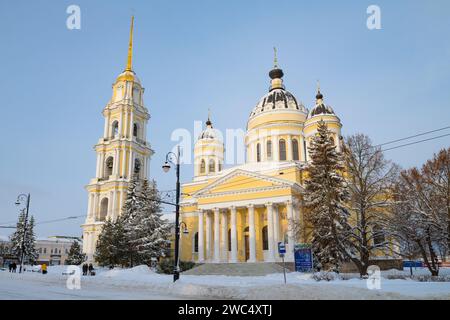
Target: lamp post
[(20, 199), (170, 157)]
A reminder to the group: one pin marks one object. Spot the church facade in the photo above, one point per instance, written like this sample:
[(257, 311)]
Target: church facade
[(122, 151), (240, 214)]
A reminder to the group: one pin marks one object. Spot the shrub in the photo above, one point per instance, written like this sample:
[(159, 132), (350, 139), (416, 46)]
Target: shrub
[(166, 266), (326, 276)]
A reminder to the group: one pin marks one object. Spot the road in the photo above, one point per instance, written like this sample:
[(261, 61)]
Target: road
[(37, 286)]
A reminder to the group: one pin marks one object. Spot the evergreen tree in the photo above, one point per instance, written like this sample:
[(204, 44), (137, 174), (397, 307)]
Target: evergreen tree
[(133, 205), (111, 245), (75, 256), (17, 239), (148, 232), (325, 192)]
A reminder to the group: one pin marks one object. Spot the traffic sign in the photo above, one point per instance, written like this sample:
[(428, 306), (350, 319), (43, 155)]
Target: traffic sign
[(281, 248)]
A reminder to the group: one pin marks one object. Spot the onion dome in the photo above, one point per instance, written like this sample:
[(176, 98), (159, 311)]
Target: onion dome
[(209, 132), (320, 108), (278, 98)]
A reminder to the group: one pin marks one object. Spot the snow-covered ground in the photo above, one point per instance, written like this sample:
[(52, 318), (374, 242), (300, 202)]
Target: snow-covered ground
[(142, 283)]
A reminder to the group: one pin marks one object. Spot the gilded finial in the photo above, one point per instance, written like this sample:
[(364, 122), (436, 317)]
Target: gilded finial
[(319, 95), (130, 47), (275, 58)]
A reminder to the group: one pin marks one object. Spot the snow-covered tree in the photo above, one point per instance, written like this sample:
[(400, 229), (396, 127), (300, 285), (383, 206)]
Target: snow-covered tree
[(110, 250), (17, 239), (370, 179), (325, 192), (419, 220), (75, 256), (145, 230)]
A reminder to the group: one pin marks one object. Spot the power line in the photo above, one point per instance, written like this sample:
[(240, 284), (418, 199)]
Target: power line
[(415, 142), (410, 137)]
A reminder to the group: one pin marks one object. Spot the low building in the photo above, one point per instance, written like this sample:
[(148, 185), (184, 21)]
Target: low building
[(53, 251)]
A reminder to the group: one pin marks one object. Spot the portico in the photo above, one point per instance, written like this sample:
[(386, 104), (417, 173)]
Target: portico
[(236, 232)]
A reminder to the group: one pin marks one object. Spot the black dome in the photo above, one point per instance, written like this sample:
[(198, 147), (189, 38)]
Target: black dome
[(276, 74)]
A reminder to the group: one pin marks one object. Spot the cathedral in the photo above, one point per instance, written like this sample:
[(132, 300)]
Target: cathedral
[(121, 152), (240, 214), (236, 214)]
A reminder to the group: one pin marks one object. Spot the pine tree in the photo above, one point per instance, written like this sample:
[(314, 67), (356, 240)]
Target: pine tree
[(75, 256), (325, 192), (111, 245), (17, 239), (150, 232), (133, 205)]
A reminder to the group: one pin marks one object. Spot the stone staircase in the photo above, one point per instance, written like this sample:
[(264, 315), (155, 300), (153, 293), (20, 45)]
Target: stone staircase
[(237, 269)]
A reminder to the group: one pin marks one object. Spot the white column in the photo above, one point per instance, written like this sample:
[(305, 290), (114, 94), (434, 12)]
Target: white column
[(114, 204), (271, 254), (123, 172), (263, 149), (275, 149), (89, 208), (252, 233), (201, 251), (109, 212), (216, 235), (131, 124), (96, 204), (290, 232), (130, 165), (126, 125), (224, 237), (233, 235), (208, 236), (97, 172), (276, 226), (106, 129), (121, 123), (102, 165), (289, 152)]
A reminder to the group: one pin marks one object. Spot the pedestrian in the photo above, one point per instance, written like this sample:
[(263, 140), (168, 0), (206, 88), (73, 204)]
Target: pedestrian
[(85, 269), (91, 269), (14, 266), (10, 266), (44, 268)]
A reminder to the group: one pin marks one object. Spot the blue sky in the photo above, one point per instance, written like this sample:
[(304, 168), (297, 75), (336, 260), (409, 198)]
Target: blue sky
[(195, 55)]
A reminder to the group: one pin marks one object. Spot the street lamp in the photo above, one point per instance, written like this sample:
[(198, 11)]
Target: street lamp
[(172, 158), (21, 199), (185, 230)]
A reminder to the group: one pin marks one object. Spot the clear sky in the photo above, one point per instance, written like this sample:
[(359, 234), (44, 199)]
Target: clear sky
[(194, 55)]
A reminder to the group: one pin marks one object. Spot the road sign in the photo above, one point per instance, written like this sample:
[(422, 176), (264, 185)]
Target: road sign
[(281, 248)]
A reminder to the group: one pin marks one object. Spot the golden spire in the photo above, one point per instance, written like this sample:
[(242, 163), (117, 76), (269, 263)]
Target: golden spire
[(275, 58), (130, 47), (209, 123)]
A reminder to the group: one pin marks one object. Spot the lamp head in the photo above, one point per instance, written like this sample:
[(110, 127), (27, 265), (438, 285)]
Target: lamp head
[(166, 167)]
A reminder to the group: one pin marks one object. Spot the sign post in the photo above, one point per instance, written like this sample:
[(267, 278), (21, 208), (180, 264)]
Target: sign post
[(282, 252)]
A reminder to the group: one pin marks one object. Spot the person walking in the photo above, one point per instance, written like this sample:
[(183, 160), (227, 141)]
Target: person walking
[(44, 268), (14, 267), (85, 269), (10, 266), (91, 269)]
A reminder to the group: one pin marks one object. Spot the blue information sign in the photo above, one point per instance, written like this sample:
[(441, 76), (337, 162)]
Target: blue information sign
[(281, 248), (303, 258)]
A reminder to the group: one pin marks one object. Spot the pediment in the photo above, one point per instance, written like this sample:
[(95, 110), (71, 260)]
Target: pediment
[(240, 180)]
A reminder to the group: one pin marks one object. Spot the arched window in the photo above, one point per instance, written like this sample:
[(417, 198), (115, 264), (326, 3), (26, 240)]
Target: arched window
[(202, 166), (295, 155), (115, 129), (137, 166), (265, 238), (220, 166), (258, 152), (195, 242), (269, 149), (109, 164), (282, 147), (103, 209), (212, 165), (135, 130)]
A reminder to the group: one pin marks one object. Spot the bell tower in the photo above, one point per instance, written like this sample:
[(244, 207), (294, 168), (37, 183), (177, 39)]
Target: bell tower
[(121, 152)]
